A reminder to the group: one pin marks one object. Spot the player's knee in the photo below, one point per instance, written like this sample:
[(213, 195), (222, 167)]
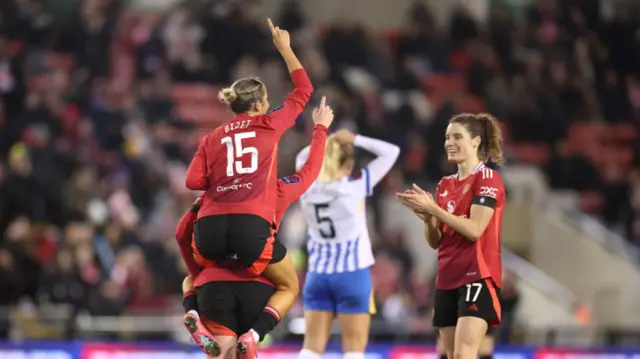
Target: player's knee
[(486, 347), (313, 347), (187, 284), (355, 334), (355, 343)]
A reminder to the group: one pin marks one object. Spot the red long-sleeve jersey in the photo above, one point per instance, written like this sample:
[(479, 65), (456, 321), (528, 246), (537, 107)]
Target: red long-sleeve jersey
[(289, 189), (184, 236), (236, 164)]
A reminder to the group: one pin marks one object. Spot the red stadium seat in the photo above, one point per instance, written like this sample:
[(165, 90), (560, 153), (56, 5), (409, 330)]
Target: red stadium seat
[(530, 153), (623, 133), (596, 154), (583, 137), (585, 133), (601, 156), (471, 103), (62, 62), (591, 202), (198, 93), (443, 84), (203, 115), (392, 36), (195, 135), (619, 155), (36, 82), (459, 60)]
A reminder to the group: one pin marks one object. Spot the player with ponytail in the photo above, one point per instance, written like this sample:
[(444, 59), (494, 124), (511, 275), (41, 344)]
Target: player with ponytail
[(463, 222), (338, 282)]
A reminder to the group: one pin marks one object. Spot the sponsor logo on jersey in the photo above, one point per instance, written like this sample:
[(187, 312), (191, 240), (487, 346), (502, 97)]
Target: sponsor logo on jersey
[(444, 194), (486, 191), (235, 186), (451, 206)]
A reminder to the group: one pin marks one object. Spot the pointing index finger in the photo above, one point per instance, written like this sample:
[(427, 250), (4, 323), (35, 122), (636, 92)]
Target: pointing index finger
[(271, 27), (323, 102)]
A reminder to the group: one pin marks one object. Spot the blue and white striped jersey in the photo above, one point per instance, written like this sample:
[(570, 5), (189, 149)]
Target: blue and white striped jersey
[(338, 239)]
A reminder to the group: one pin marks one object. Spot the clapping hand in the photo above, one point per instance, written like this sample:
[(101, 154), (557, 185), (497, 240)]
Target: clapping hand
[(418, 200), (423, 216)]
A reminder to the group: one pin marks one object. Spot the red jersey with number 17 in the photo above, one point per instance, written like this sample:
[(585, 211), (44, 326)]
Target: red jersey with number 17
[(236, 164), (460, 260)]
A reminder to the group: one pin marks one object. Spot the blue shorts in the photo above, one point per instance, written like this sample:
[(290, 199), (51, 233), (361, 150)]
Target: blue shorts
[(348, 292)]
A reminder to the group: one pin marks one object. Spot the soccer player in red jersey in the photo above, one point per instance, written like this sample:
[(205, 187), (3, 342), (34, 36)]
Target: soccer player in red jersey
[(236, 164), (225, 282), (463, 223)]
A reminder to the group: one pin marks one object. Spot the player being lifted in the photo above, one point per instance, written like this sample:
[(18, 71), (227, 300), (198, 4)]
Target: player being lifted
[(229, 301), (463, 223), (236, 164), (338, 278)]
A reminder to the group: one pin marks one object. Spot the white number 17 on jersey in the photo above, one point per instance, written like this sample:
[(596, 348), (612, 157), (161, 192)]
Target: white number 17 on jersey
[(473, 297), (239, 152)]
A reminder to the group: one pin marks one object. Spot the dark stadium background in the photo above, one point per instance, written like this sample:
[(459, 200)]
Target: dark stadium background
[(102, 103)]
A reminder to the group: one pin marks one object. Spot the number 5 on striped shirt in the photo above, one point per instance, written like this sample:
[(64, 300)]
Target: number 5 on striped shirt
[(331, 233)]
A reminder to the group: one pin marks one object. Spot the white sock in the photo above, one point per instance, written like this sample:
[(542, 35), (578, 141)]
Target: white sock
[(353, 355), (308, 354), (194, 313), (256, 336)]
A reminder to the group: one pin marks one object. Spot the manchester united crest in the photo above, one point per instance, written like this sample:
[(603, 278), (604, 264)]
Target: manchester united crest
[(465, 189)]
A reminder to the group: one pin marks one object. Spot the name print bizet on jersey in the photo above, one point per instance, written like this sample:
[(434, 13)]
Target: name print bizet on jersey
[(237, 125)]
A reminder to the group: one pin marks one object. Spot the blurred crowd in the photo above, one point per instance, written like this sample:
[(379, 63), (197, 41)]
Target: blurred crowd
[(94, 147)]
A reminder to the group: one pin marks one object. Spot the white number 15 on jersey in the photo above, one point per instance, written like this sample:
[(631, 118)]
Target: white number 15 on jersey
[(239, 152)]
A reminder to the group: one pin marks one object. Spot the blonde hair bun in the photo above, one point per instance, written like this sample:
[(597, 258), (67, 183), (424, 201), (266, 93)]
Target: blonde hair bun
[(334, 157), (227, 95)]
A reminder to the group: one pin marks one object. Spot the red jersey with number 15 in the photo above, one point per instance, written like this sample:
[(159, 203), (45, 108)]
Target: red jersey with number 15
[(236, 164), (289, 190), (460, 260)]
